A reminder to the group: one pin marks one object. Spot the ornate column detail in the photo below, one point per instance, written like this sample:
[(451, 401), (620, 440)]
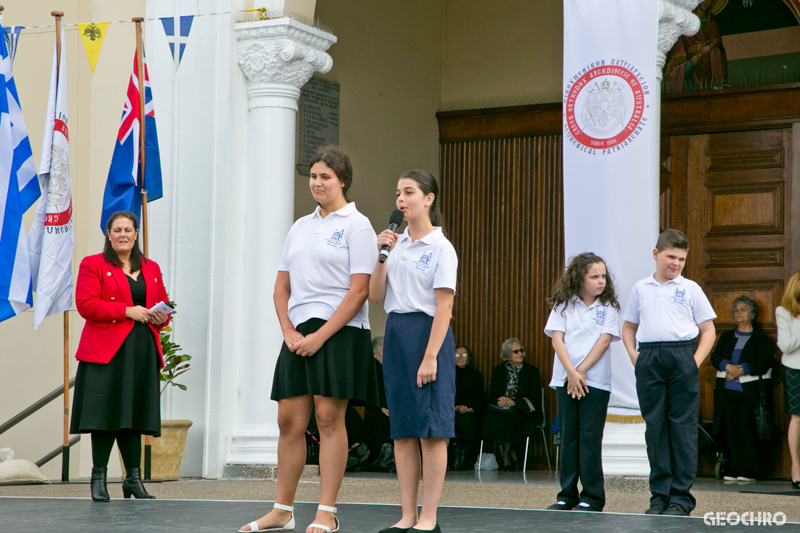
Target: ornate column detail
[(278, 57), (675, 18)]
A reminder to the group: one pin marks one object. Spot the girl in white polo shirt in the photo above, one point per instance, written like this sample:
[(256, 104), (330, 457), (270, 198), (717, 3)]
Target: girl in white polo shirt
[(417, 284), (583, 323), (326, 358)]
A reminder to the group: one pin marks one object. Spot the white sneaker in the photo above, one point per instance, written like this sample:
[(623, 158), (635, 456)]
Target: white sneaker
[(730, 478), (742, 479)]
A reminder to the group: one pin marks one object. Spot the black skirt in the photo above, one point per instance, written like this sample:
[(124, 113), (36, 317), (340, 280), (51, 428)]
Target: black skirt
[(344, 367), (123, 394)]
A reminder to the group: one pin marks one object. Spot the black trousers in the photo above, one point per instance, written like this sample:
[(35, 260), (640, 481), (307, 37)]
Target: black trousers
[(738, 421), (468, 426), (581, 423), (668, 386)]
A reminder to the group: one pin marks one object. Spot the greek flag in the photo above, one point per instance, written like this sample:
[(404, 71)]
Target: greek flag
[(19, 189), (12, 37), (177, 30)]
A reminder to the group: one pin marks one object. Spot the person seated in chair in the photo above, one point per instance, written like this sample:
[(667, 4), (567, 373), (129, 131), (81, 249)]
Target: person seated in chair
[(515, 402), (470, 401)]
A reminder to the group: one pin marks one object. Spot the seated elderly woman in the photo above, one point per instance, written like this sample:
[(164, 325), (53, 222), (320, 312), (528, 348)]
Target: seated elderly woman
[(470, 402), (741, 356), (515, 402)]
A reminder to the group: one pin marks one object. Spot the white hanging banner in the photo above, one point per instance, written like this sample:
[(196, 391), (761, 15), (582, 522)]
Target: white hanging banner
[(609, 133)]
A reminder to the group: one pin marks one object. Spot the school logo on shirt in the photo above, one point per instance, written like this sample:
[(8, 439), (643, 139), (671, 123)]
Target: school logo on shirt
[(679, 297), (336, 238), (424, 262), (600, 316)]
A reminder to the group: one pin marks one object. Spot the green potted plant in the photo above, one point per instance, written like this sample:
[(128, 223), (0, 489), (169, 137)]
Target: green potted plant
[(166, 451)]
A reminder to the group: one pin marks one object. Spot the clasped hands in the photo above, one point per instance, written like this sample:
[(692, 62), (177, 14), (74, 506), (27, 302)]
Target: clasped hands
[(576, 383), (733, 371), (461, 409), (505, 401), (144, 315), (303, 345)]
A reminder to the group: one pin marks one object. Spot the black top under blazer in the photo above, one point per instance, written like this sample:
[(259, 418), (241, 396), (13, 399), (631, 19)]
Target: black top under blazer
[(529, 385), (758, 354), (469, 388)]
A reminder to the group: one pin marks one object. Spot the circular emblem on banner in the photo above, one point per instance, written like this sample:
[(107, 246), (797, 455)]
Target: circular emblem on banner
[(604, 106)]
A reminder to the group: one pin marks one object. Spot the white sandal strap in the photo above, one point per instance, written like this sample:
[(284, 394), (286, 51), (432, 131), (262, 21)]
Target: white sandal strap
[(282, 507), (326, 529), (327, 508), (253, 526)]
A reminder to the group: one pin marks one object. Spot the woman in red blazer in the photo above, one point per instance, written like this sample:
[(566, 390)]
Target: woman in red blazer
[(117, 383)]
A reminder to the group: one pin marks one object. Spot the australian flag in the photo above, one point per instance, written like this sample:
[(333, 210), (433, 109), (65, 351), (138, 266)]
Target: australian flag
[(124, 186)]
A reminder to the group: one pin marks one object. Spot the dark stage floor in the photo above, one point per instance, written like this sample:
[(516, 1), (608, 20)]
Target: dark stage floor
[(66, 515)]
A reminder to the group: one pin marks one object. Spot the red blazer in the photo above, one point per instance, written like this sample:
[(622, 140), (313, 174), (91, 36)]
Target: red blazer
[(101, 295)]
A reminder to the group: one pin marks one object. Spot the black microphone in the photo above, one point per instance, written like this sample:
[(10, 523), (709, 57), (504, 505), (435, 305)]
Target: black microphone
[(394, 222)]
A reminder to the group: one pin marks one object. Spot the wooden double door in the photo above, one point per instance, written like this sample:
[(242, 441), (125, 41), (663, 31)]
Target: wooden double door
[(735, 195)]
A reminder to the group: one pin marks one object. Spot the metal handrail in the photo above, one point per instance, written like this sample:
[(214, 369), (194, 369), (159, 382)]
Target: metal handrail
[(25, 413), (55, 453)]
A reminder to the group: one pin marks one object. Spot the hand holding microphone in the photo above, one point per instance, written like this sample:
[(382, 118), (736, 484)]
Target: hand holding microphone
[(387, 238)]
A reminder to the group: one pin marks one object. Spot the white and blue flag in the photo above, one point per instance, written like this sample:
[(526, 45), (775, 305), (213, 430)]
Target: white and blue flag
[(177, 30), (19, 189), (12, 38)]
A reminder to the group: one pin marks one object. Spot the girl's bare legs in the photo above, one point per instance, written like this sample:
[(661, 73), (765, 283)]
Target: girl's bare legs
[(406, 453), (332, 455), (293, 415), (434, 466)]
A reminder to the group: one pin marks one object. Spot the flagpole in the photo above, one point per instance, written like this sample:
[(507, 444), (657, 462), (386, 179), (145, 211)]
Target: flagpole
[(142, 149), (65, 444), (140, 67)]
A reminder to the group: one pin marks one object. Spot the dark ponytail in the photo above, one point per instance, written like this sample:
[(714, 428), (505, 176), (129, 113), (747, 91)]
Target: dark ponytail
[(427, 184)]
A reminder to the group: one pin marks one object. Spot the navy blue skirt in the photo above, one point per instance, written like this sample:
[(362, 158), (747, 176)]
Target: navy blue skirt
[(427, 412)]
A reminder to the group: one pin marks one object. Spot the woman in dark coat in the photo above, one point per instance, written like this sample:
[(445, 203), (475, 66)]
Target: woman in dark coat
[(514, 384), (740, 356), (470, 402)]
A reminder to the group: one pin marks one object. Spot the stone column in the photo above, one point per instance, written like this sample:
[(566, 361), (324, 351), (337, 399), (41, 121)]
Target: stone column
[(277, 57)]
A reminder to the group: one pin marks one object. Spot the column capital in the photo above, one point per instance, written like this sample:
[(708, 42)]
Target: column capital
[(675, 18), (278, 57)]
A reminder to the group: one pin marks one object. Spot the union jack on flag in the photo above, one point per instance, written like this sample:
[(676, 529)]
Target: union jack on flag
[(123, 187)]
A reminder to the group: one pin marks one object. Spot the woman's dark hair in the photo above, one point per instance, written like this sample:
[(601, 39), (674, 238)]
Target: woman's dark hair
[(570, 283), (339, 162), (108, 251), (427, 184)]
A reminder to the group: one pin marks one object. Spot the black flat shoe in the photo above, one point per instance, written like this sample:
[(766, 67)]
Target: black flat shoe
[(656, 508), (675, 510), (560, 506), (796, 485), (395, 530), (434, 530)]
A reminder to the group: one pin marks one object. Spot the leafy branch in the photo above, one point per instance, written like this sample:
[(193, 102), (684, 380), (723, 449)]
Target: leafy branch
[(175, 363)]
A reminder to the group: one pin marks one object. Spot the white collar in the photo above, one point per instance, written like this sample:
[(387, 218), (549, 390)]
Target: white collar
[(345, 211), (652, 280), (430, 238), (576, 299)]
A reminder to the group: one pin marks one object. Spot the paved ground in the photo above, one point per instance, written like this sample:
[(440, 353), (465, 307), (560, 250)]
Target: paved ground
[(493, 489)]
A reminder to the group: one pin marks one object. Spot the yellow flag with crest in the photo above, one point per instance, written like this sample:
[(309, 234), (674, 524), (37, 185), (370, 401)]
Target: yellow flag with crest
[(92, 35)]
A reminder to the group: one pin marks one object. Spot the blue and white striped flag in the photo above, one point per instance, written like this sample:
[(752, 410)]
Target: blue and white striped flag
[(19, 189), (177, 30), (12, 38)]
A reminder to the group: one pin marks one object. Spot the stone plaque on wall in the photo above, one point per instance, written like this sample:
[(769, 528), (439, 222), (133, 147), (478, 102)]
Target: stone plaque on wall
[(319, 119)]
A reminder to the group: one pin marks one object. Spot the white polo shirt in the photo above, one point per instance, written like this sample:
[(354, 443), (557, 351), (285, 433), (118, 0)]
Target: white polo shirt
[(414, 270), (582, 327), (320, 255), (668, 312)]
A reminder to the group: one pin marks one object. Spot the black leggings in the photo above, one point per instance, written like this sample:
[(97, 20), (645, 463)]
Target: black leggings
[(129, 442)]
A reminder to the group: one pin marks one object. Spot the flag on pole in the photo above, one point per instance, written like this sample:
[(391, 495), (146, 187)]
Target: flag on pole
[(93, 36), (123, 188), (18, 190), (12, 37), (177, 30), (51, 241)]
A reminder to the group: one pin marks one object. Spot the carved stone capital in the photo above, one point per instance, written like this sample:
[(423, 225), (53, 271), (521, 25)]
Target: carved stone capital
[(282, 54), (675, 18)]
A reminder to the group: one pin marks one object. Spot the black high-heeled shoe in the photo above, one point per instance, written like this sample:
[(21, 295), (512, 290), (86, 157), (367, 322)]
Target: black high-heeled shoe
[(133, 485), (98, 485)]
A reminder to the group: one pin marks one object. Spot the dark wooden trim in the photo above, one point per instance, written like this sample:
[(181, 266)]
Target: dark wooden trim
[(771, 106)]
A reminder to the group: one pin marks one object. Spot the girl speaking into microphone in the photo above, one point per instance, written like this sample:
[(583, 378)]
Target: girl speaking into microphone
[(417, 285)]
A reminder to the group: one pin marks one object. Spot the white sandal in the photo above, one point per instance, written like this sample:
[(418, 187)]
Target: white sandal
[(288, 527), (326, 529)]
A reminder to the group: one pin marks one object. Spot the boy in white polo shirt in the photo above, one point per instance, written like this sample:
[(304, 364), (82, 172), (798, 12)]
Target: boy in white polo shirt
[(665, 313)]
